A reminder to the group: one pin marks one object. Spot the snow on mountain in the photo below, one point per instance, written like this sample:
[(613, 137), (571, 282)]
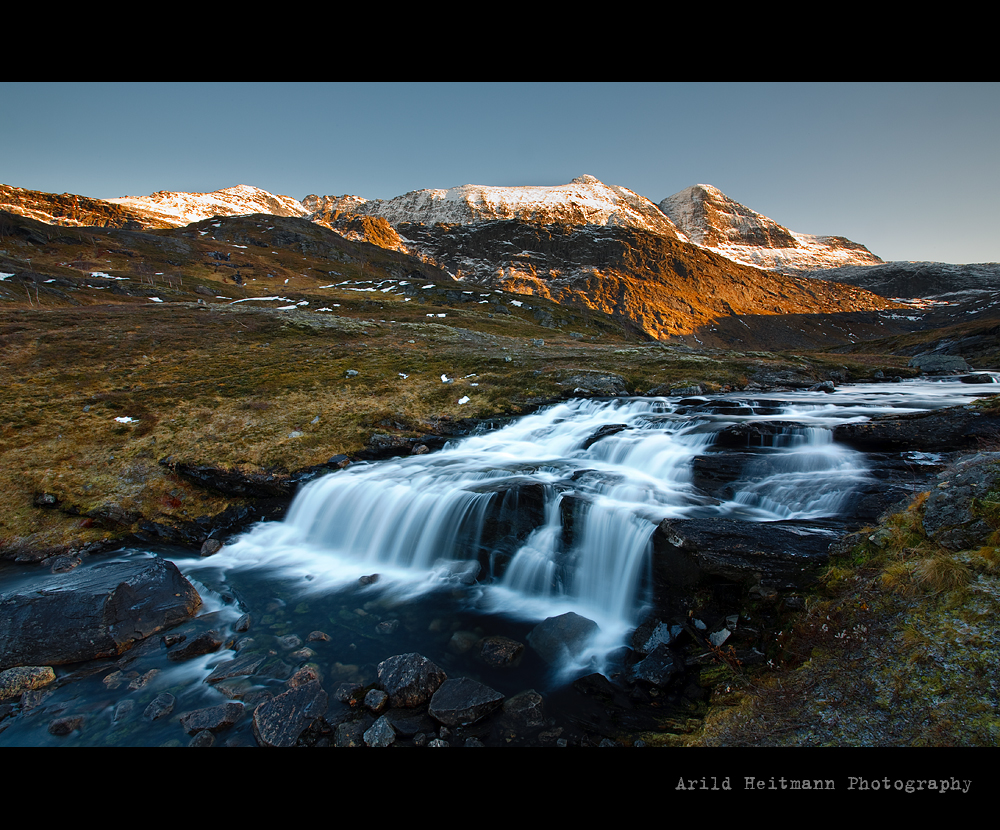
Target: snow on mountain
[(712, 220), (174, 209), (584, 201)]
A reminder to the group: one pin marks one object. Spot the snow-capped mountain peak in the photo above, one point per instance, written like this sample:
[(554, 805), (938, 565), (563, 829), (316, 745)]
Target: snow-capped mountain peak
[(583, 201), (174, 208), (712, 220)]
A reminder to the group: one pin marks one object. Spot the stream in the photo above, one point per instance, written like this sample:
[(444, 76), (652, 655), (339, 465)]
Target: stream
[(487, 537)]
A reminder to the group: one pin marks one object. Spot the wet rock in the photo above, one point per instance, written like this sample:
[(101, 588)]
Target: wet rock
[(282, 720), (243, 666), (160, 707), (564, 636), (942, 430), (690, 552), (213, 718), (352, 733), (501, 652), (376, 701), (603, 432), (463, 701), (659, 667), (66, 724), (409, 679), (211, 546), (205, 643), (14, 682), (525, 709), (381, 733), (96, 612)]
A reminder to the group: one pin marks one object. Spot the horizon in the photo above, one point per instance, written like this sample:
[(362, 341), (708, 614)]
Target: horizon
[(883, 165)]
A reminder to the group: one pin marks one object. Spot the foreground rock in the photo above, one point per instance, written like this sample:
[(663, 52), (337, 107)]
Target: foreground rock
[(409, 679), (692, 552), (566, 636), (283, 720), (97, 612), (943, 430), (463, 701)]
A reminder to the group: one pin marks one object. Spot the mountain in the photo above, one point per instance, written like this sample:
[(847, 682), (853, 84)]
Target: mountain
[(712, 220), (584, 201), (67, 209), (169, 209)]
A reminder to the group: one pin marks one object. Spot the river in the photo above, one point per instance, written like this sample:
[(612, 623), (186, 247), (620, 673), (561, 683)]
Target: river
[(487, 537)]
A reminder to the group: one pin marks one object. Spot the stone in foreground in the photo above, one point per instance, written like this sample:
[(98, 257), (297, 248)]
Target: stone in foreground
[(95, 612), (462, 701), (409, 679)]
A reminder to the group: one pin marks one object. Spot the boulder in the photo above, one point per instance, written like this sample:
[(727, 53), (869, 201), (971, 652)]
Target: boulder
[(14, 682), (99, 611), (462, 701), (690, 552), (942, 430), (409, 679), (557, 638), (212, 718), (931, 364), (949, 513), (659, 667), (282, 720)]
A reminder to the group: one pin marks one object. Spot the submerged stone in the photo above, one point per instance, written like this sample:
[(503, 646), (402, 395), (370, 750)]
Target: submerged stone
[(560, 637)]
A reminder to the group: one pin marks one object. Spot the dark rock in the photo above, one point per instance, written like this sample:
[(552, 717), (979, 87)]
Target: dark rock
[(659, 667), (204, 643), (501, 652), (938, 363), (463, 701), (949, 516), (690, 552), (160, 707), (409, 679), (942, 430), (376, 701), (352, 733), (100, 611), (603, 432), (596, 383), (978, 377), (564, 636), (45, 500), (282, 720), (236, 483), (212, 718), (211, 546), (66, 724), (525, 709), (203, 738), (380, 733)]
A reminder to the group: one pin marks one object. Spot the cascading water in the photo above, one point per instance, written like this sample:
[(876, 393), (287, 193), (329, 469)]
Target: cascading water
[(554, 512)]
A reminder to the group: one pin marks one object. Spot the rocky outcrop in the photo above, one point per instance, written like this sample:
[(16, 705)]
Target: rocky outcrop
[(954, 428), (711, 219), (100, 611)]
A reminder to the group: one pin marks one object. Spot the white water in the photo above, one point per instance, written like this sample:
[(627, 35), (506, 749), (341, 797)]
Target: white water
[(420, 522)]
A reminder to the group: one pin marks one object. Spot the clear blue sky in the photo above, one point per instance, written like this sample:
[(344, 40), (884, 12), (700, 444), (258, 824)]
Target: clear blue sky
[(910, 170)]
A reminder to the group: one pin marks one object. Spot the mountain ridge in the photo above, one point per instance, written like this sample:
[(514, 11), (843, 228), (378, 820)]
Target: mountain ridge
[(700, 215)]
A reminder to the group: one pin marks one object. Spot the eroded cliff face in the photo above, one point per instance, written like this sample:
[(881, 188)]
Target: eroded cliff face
[(706, 216), (68, 209), (661, 286)]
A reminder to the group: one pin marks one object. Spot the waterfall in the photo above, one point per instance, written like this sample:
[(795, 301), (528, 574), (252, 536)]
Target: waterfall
[(557, 511)]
